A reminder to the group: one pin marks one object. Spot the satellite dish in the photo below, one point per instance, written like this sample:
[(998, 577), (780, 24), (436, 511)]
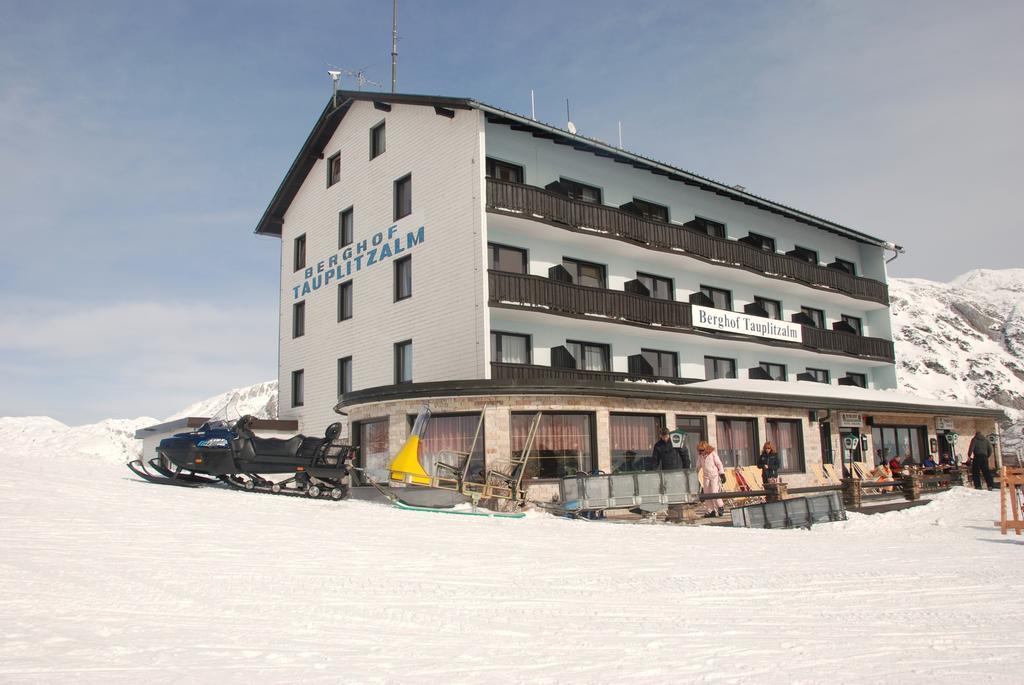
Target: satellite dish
[(572, 128)]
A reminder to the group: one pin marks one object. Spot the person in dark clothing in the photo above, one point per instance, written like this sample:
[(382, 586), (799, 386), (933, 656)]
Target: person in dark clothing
[(979, 452), (665, 456), (768, 462), (668, 458)]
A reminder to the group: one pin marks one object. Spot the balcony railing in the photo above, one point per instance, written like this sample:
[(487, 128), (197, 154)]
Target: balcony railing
[(566, 299), (532, 373), (518, 198)]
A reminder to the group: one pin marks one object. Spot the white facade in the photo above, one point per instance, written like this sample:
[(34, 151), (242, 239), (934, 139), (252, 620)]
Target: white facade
[(448, 318), (445, 317)]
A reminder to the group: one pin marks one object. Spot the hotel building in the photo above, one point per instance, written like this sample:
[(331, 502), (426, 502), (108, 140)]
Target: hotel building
[(443, 251)]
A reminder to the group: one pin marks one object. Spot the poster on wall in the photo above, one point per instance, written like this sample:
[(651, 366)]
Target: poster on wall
[(943, 423)]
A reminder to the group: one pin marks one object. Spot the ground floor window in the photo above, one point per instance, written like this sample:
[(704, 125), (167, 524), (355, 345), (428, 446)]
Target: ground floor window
[(787, 436), (632, 438), (373, 449), (737, 442), (900, 442), (564, 444), (452, 433), (696, 429)]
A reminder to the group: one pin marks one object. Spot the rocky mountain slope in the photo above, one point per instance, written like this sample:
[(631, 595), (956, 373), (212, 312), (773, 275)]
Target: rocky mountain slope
[(964, 340)]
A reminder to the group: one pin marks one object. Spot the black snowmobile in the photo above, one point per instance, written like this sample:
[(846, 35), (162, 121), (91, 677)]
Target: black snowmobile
[(235, 455)]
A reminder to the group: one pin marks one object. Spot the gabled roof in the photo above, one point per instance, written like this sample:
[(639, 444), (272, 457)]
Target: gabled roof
[(273, 217)]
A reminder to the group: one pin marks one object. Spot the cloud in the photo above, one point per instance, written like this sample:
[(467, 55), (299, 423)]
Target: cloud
[(127, 358)]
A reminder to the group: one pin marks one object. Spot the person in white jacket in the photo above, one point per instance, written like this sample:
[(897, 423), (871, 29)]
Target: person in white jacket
[(714, 476)]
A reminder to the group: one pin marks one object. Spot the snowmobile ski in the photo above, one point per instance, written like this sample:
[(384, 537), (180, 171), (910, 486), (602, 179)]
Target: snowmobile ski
[(139, 470)]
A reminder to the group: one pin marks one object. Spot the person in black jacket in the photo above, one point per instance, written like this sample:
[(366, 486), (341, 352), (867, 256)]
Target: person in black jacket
[(768, 462), (980, 450), (668, 458)]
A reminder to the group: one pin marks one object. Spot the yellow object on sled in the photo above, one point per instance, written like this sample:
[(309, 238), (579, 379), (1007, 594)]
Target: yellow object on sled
[(406, 466)]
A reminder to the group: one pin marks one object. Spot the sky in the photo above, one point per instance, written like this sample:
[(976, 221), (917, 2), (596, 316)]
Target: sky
[(141, 141)]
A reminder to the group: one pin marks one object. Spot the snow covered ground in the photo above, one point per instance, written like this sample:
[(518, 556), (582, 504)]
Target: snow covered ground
[(104, 578)]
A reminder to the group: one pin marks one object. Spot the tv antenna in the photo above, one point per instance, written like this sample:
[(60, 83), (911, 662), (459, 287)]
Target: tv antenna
[(394, 44), (360, 78)]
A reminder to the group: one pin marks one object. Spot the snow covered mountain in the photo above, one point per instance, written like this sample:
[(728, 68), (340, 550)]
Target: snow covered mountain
[(259, 400), (964, 341)]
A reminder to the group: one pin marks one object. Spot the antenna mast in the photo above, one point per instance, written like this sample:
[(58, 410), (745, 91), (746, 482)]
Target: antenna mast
[(394, 44)]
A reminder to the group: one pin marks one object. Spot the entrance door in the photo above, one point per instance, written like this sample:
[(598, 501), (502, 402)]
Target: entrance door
[(945, 448), (849, 454)]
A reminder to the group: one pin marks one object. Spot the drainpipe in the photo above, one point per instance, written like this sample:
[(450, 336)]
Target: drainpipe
[(897, 250)]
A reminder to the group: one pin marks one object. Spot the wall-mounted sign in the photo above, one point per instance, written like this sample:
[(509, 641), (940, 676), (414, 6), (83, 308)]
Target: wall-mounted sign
[(849, 419), (944, 423), (735, 322), (350, 260)]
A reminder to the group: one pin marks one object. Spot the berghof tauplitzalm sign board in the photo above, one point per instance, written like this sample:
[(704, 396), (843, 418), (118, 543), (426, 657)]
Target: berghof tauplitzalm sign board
[(745, 324), (943, 423)]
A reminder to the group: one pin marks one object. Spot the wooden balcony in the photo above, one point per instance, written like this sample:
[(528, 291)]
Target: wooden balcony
[(547, 375), (537, 203), (536, 293)]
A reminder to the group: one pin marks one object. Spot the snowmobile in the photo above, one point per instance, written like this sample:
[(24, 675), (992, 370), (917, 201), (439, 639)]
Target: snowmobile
[(234, 455)]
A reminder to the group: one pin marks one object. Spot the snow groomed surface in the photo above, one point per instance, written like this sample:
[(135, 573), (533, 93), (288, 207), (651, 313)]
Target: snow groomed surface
[(107, 579)]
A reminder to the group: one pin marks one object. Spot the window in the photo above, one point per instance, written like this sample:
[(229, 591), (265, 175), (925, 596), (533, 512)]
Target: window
[(403, 197), (737, 442), (580, 191), (298, 389), (650, 210), (377, 140), (844, 265), (659, 287), (590, 356), (665, 364), (344, 375), (299, 253), (345, 227), (853, 322), (820, 375), (816, 316), (510, 348), (563, 445), (403, 278), (773, 307), (719, 367), (373, 454), (777, 372), (696, 429), (632, 438), (333, 169), (858, 379), (721, 299), (900, 442), (299, 319), (712, 228), (788, 437), (503, 171), (447, 433), (762, 241), (503, 258), (403, 362), (804, 254), (585, 273), (345, 301)]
